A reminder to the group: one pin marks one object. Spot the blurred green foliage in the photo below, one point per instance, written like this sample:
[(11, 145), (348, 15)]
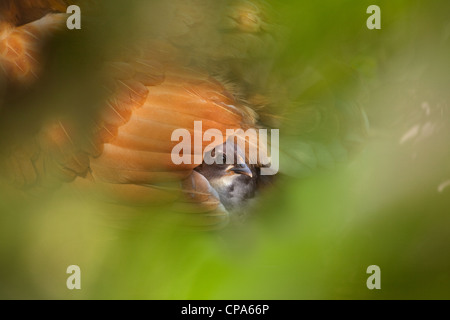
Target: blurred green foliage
[(315, 233)]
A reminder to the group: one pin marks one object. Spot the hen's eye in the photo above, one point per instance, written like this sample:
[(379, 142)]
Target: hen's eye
[(221, 158), (224, 158)]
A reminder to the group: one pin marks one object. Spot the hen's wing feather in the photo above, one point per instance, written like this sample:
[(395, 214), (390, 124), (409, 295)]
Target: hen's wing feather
[(19, 12), (20, 47), (122, 150)]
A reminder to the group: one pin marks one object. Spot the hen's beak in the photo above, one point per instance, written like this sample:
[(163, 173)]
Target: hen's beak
[(241, 169)]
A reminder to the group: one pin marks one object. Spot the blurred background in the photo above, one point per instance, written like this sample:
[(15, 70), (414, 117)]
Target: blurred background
[(364, 119)]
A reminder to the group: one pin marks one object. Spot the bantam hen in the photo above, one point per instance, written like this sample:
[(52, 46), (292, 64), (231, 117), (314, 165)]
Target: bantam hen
[(194, 68)]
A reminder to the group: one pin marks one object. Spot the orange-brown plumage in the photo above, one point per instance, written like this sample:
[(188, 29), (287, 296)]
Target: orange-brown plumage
[(123, 151)]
